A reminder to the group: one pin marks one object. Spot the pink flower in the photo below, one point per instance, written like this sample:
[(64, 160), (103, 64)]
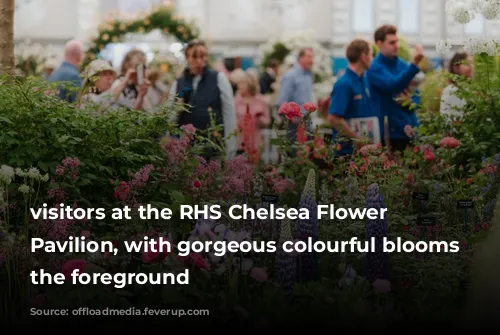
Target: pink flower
[(196, 260), (409, 131), (141, 177), (259, 274), (122, 191), (283, 185), (73, 264), (469, 181), (188, 128), (197, 183), (151, 256), (449, 142), (310, 107), (429, 155), (60, 170), (291, 110), (85, 233), (381, 286)]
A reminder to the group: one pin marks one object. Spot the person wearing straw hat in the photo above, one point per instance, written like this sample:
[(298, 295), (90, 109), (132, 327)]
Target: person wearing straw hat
[(99, 77)]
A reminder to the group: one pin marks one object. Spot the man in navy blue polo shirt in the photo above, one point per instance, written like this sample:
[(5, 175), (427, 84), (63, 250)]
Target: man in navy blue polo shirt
[(390, 78), (352, 112)]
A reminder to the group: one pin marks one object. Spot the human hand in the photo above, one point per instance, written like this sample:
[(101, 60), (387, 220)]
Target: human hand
[(418, 55), (143, 89)]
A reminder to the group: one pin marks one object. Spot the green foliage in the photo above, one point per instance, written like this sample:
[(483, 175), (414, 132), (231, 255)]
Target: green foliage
[(430, 91), (280, 51), (40, 131)]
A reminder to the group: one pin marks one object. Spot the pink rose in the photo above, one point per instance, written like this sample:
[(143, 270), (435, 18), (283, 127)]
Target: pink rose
[(259, 274), (310, 107), (151, 256), (73, 264), (197, 183), (449, 142), (429, 155), (291, 110)]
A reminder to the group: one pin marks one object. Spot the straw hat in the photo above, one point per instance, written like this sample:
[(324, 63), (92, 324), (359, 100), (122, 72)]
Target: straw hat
[(97, 66)]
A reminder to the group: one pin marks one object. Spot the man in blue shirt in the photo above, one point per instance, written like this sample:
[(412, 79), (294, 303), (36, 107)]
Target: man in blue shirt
[(297, 86), (390, 77), (351, 98), (68, 73)]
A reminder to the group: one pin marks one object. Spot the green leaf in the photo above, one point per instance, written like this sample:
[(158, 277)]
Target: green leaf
[(178, 197)]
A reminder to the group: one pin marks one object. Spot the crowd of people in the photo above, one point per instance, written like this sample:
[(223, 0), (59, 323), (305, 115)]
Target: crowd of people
[(370, 91)]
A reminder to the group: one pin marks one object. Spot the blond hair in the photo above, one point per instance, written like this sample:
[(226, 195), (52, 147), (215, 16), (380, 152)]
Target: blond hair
[(252, 80)]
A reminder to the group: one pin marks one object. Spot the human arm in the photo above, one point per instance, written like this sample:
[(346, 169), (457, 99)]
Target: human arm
[(386, 82), (228, 113), (339, 104)]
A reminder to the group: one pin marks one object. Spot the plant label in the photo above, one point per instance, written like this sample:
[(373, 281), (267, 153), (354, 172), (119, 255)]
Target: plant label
[(465, 204), (420, 196), (270, 198), (426, 221)]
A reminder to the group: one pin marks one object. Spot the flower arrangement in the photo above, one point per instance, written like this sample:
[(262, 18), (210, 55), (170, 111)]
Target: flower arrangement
[(463, 12), (162, 18), (31, 58)]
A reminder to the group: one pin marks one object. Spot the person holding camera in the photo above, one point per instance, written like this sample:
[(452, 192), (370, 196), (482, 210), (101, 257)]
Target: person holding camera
[(131, 88)]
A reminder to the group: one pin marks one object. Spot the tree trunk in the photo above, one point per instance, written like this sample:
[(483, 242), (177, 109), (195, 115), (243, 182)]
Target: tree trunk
[(7, 64)]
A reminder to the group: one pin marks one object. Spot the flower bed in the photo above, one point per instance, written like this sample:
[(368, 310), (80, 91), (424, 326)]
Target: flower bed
[(115, 159)]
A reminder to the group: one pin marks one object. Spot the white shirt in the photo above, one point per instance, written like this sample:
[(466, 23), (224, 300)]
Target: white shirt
[(228, 109), (451, 104)]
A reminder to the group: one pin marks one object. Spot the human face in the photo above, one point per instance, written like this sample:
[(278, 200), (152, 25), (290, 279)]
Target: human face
[(307, 60), (243, 88), (366, 59), (106, 79), (465, 69), (390, 47), (197, 59)]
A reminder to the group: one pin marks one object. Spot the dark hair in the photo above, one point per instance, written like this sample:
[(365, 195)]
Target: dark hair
[(193, 44), (456, 60), (355, 49), (302, 52), (382, 32), (273, 63)]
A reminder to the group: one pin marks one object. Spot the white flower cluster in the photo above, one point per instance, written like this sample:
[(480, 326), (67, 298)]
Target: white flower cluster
[(464, 11), (322, 61), (443, 47), (35, 52), (479, 44)]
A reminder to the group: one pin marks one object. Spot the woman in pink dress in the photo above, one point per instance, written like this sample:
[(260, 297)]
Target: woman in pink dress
[(252, 114)]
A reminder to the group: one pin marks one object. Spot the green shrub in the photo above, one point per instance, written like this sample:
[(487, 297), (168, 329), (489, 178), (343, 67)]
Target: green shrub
[(41, 131)]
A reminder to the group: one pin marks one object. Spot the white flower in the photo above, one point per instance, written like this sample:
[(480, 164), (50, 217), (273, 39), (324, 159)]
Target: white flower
[(478, 45), (20, 172), (45, 178), (443, 47), (25, 189), (8, 171), (491, 10), (7, 174), (34, 173), (460, 11)]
